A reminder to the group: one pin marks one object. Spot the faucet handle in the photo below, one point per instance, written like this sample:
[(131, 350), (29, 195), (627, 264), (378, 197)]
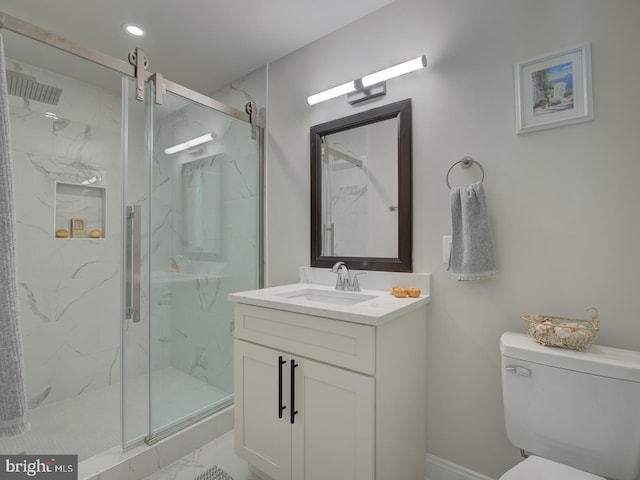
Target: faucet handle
[(355, 285)]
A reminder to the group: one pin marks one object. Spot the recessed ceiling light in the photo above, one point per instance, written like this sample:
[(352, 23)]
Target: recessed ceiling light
[(134, 30)]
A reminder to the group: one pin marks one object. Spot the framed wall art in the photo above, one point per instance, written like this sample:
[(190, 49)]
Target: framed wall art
[(554, 90)]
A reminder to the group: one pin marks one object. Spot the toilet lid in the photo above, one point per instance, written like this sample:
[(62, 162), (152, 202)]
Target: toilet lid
[(537, 468)]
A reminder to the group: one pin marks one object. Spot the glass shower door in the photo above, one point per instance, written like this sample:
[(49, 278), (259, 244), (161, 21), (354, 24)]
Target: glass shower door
[(192, 197), (203, 244)]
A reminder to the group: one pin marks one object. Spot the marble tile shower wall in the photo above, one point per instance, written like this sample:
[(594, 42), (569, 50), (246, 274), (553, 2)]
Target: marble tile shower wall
[(194, 327), (69, 289)]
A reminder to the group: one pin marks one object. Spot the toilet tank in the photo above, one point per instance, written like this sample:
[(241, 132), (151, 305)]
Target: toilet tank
[(578, 408)]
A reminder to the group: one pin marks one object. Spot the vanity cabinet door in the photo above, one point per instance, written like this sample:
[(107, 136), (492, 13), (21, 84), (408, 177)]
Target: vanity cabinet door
[(333, 433), (261, 438)]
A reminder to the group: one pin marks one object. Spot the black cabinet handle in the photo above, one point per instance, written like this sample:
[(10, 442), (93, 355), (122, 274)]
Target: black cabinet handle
[(293, 390), (281, 407)]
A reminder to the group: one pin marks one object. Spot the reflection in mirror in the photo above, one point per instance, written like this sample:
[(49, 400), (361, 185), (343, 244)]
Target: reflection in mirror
[(201, 215), (361, 190)]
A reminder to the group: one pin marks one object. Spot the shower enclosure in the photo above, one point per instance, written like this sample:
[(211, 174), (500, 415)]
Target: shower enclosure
[(126, 251), (191, 234)]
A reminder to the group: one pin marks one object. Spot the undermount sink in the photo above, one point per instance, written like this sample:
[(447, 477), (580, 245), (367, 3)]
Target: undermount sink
[(333, 297), (369, 307)]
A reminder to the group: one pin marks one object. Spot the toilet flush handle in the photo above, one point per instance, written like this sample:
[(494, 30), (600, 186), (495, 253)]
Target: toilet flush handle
[(522, 371)]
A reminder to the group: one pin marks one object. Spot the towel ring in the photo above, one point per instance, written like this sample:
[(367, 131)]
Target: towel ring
[(466, 162)]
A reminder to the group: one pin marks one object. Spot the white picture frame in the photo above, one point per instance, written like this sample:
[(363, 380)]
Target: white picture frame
[(554, 90)]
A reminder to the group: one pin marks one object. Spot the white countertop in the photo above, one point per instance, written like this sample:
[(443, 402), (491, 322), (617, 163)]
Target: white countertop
[(373, 311)]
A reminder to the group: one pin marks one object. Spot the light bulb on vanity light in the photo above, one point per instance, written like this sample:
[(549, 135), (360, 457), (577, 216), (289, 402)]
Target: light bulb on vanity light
[(332, 93), (194, 142), (395, 71)]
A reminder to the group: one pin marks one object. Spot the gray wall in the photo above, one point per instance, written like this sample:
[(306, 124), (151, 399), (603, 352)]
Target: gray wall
[(562, 201)]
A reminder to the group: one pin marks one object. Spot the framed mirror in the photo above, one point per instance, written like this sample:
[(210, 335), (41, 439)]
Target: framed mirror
[(361, 190)]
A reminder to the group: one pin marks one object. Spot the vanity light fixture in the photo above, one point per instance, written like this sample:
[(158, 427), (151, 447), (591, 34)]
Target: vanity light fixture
[(332, 93), (194, 142), (395, 71), (91, 181), (369, 86)]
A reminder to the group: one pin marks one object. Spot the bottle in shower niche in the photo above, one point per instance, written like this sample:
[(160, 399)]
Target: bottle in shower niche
[(77, 228)]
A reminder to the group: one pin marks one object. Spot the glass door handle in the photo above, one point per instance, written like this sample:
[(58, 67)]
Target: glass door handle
[(328, 239), (133, 263)]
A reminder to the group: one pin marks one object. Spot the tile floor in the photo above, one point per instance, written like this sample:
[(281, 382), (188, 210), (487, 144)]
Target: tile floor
[(218, 452)]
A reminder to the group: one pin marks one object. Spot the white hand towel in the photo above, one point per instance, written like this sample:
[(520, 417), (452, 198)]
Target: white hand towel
[(472, 256)]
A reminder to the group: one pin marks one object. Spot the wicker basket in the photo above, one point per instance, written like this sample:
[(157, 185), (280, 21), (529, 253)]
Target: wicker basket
[(563, 332)]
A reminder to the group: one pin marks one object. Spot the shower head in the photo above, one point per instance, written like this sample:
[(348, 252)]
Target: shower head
[(26, 86)]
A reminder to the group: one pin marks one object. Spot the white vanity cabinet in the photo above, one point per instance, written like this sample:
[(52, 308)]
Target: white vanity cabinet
[(320, 399)]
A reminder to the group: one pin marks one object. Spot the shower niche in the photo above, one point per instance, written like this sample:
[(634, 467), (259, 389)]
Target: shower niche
[(80, 211)]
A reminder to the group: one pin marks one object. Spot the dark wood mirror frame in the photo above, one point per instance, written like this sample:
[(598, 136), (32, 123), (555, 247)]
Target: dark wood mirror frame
[(403, 262)]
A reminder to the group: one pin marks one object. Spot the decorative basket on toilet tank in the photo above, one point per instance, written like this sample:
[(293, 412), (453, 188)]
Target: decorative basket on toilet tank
[(563, 332)]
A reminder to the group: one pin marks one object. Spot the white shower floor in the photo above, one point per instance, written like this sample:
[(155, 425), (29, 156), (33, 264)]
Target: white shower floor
[(89, 424)]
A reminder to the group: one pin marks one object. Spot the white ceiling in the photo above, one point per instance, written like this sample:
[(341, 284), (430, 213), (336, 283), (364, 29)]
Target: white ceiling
[(202, 44)]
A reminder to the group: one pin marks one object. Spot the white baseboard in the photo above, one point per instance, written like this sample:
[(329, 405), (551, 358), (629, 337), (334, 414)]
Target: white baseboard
[(440, 469)]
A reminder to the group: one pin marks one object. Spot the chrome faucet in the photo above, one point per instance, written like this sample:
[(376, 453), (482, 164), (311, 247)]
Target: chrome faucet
[(345, 281)]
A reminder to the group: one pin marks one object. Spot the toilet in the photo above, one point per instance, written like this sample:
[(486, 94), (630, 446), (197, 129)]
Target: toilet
[(576, 414)]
